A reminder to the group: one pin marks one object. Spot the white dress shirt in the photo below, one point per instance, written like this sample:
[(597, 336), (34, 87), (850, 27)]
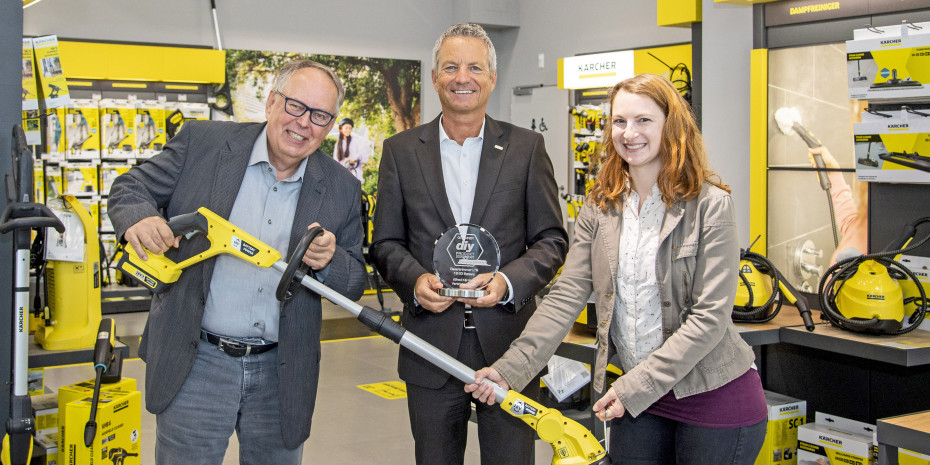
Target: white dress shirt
[(637, 322)]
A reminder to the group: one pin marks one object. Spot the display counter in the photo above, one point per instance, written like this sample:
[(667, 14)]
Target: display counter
[(910, 349), (911, 432), (39, 357)]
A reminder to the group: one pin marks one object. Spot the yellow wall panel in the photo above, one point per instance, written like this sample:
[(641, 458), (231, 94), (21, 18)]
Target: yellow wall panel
[(758, 146), (124, 62), (679, 13), (672, 56)]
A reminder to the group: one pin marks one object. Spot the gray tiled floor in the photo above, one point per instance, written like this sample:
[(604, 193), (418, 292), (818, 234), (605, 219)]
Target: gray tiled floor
[(350, 425)]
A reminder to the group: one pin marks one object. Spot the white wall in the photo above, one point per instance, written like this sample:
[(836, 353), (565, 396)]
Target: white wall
[(563, 28), (727, 42)]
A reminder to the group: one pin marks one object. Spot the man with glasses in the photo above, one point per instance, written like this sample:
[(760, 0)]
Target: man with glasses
[(222, 354), (465, 167)]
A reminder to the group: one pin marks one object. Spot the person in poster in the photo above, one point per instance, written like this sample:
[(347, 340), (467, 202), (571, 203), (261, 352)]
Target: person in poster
[(351, 151)]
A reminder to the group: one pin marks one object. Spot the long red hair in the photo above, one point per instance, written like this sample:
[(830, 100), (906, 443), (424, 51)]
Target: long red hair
[(684, 160)]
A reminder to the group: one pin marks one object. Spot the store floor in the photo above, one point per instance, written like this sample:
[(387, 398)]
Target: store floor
[(350, 425)]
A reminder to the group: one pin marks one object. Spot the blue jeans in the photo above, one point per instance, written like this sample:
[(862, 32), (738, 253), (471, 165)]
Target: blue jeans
[(223, 394), (653, 440)]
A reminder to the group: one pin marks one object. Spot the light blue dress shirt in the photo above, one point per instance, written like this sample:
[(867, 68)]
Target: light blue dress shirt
[(241, 302)]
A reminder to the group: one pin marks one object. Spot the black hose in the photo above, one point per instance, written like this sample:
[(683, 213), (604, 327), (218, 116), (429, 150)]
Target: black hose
[(747, 313), (845, 269)]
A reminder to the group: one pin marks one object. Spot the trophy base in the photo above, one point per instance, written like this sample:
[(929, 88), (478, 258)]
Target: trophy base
[(466, 293)]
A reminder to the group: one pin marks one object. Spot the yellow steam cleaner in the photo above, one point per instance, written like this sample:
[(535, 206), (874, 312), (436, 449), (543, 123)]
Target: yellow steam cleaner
[(762, 291), (874, 293)]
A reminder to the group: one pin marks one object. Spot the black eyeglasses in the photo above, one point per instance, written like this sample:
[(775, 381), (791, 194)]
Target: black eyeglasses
[(297, 109)]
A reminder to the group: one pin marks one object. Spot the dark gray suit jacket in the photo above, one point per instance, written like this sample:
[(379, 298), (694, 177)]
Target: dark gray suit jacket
[(203, 166), (516, 200)]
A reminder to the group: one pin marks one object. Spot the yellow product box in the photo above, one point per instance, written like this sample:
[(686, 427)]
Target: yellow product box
[(117, 440), (118, 128), (176, 113), (85, 390), (106, 226), (150, 128), (54, 145), (30, 92), (32, 127), (52, 84), (53, 184), (80, 179), (82, 130), (907, 457), (108, 173), (38, 181), (46, 408), (48, 443), (893, 146), (786, 415), (834, 439)]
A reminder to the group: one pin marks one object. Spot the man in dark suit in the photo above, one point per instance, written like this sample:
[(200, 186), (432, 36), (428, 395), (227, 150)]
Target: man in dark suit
[(464, 167), (222, 354)]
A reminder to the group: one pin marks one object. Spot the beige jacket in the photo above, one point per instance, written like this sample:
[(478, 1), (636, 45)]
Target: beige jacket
[(697, 268)]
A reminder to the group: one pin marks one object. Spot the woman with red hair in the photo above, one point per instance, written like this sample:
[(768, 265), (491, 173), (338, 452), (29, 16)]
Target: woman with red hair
[(656, 244)]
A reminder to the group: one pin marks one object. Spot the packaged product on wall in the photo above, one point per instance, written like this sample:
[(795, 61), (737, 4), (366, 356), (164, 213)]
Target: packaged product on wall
[(893, 146), (82, 130), (907, 457), (80, 179), (53, 87), (31, 127), (833, 439), (30, 92), (109, 171), (920, 266), (106, 226), (117, 129), (889, 63), (38, 181), (176, 113), (55, 144), (53, 184), (150, 128), (786, 415)]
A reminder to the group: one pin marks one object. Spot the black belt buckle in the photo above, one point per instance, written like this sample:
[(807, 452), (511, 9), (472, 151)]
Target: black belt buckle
[(469, 319), (235, 348)]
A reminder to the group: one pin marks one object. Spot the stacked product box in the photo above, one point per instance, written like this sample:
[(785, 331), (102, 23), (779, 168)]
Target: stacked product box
[(893, 146), (833, 439), (786, 415), (889, 63)]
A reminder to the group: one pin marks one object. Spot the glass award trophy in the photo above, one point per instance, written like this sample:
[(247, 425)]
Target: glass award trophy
[(461, 253)]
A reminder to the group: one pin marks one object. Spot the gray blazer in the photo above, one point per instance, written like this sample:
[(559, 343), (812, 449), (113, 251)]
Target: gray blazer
[(697, 267), (203, 166), (516, 200)]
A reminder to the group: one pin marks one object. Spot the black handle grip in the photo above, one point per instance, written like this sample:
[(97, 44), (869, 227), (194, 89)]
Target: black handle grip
[(18, 216), (295, 265), (824, 180), (189, 224), (803, 307)]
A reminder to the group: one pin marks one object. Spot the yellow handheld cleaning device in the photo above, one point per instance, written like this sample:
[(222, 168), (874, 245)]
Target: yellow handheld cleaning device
[(159, 271), (874, 293), (571, 443)]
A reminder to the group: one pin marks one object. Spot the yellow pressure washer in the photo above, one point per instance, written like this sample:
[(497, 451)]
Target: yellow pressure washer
[(571, 443), (874, 293), (761, 286)]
